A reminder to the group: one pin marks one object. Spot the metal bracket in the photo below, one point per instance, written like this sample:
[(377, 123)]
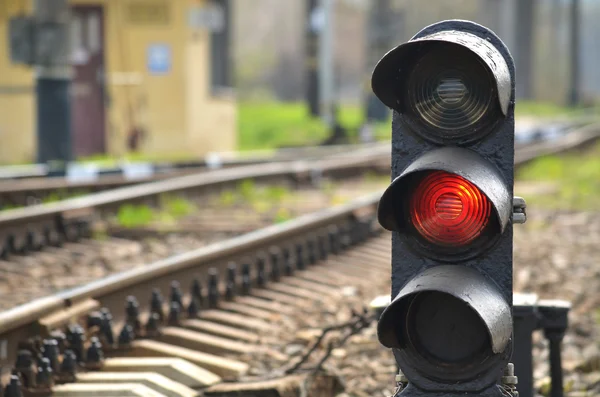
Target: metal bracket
[(519, 207)]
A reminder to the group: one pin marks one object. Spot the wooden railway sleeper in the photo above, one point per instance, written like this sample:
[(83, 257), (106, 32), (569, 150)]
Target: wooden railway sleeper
[(87, 349)]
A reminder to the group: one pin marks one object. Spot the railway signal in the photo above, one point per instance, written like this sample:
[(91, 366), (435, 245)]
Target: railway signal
[(450, 206)]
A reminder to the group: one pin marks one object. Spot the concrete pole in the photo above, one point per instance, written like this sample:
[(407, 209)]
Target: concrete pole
[(523, 54), (326, 78), (490, 14), (507, 24), (311, 60), (53, 80), (574, 54), (380, 39), (220, 43)]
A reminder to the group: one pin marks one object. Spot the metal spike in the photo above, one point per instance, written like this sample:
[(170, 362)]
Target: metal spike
[(288, 267), (213, 288), (106, 327), (300, 264), (246, 281), (152, 326), (261, 279), (94, 355), (156, 304), (132, 310), (13, 389), (176, 295), (126, 335), (323, 248), (76, 339), (197, 293), (44, 377), (334, 240), (69, 363), (275, 265), (174, 312), (193, 308), (50, 351), (312, 252), (24, 367), (230, 287), (94, 319)]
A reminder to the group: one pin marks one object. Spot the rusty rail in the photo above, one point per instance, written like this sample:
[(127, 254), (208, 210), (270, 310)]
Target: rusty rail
[(24, 321), (18, 225), (32, 190)]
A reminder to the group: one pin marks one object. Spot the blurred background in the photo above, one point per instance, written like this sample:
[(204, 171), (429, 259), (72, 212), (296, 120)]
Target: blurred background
[(86, 84), (174, 79)]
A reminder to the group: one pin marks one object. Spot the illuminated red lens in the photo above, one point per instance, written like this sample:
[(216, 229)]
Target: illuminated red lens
[(446, 209)]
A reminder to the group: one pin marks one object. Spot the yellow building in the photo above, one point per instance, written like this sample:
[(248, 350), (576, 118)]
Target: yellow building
[(141, 70)]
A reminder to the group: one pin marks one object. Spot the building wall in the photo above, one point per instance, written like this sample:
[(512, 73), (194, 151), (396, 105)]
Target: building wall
[(17, 106), (176, 111)]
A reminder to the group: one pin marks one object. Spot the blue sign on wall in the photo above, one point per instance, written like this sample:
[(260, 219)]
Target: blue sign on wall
[(159, 58)]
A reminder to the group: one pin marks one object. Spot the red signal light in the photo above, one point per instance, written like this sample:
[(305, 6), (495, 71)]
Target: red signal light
[(448, 210)]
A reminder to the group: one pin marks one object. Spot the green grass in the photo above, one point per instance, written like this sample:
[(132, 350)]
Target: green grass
[(550, 110), (577, 176), (177, 207), (262, 199), (171, 209), (267, 125), (131, 216)]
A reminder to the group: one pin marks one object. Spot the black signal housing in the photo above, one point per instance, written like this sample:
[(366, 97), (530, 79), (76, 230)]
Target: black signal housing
[(450, 321)]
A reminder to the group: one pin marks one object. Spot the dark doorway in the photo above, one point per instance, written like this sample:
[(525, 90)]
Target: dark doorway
[(87, 92)]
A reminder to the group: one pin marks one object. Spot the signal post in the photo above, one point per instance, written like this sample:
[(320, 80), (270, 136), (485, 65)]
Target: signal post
[(451, 210)]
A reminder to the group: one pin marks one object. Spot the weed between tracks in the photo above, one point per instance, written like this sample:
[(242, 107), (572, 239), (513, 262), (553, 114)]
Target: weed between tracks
[(171, 209), (575, 176), (275, 203)]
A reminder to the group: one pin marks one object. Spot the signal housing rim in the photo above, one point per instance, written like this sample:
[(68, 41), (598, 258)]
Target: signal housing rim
[(399, 57), (469, 286), (455, 160)]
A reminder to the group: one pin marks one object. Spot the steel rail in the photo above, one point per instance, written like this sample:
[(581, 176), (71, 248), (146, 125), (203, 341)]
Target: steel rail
[(214, 159), (19, 227), (117, 196), (22, 314), (576, 138), (22, 191), (22, 322)]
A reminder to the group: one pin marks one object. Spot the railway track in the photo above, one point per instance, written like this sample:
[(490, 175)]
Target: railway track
[(116, 247), (222, 311), (229, 310), (39, 187), (31, 228)]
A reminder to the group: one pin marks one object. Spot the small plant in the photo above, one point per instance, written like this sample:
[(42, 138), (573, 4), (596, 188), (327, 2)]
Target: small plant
[(328, 188), (282, 215), (130, 215), (9, 206), (177, 207), (52, 197), (338, 199), (99, 234), (227, 198), (261, 206), (247, 190), (275, 194)]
